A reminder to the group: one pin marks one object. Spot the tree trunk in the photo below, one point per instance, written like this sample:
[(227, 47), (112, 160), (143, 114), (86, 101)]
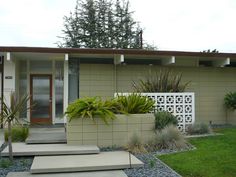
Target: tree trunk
[(10, 141)]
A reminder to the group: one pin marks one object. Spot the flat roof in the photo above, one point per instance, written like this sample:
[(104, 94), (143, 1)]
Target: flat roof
[(113, 51)]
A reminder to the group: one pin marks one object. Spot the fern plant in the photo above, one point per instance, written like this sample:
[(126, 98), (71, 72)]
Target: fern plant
[(135, 103), (91, 108)]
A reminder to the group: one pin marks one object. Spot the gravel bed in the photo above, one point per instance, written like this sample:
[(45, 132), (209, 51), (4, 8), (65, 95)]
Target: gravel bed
[(19, 164), (153, 167)]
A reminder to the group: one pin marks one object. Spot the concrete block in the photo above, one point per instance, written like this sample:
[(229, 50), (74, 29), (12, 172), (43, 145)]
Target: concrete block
[(90, 136), (113, 173), (134, 127), (120, 127), (105, 136), (21, 149), (119, 135), (104, 143), (105, 128), (73, 136), (90, 142), (147, 127), (90, 128), (75, 128), (74, 163)]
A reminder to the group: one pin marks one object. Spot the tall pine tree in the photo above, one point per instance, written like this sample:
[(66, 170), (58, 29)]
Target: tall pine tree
[(101, 24)]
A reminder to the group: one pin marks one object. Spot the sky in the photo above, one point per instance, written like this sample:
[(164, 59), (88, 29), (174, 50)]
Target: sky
[(180, 25)]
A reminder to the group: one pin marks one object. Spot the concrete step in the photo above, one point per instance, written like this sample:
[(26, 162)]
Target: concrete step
[(46, 137), (115, 160), (22, 149), (116, 173)]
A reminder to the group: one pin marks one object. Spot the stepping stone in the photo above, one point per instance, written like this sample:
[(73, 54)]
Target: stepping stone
[(22, 149), (46, 138), (74, 163), (117, 173)]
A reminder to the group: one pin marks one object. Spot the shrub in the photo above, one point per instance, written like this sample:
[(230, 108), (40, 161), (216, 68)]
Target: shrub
[(198, 129), (19, 134), (168, 138), (163, 119), (230, 100), (164, 81), (5, 163), (135, 103), (135, 145), (91, 108)]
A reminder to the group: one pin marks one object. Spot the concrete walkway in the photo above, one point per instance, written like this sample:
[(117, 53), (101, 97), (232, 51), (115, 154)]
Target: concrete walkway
[(117, 173), (46, 136), (74, 163), (22, 149)]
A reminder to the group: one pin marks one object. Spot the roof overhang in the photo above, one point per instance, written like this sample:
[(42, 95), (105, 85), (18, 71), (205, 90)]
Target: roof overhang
[(119, 55)]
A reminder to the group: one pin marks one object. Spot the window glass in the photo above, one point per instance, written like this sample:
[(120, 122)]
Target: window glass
[(59, 83), (73, 79), (23, 82)]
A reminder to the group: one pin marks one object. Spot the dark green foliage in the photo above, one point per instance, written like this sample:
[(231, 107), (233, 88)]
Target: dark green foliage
[(5, 163), (92, 108), (19, 134), (164, 81), (163, 119), (152, 163), (230, 100), (101, 24), (135, 103), (196, 129)]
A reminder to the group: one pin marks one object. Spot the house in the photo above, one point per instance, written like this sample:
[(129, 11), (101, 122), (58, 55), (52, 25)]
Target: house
[(57, 76)]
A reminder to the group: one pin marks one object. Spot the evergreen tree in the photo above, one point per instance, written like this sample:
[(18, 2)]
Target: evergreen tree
[(101, 24)]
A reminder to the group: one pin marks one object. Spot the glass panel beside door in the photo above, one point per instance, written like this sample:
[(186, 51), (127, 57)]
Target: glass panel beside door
[(41, 98)]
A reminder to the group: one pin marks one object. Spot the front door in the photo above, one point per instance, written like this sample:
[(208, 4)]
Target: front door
[(41, 98)]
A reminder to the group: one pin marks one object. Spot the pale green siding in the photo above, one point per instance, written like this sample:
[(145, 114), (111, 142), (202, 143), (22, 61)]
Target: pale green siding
[(209, 84)]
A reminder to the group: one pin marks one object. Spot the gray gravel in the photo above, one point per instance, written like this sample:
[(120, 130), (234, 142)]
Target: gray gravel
[(153, 167), (19, 164)]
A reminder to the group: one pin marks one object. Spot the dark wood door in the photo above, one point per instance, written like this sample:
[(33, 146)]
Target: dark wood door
[(41, 98)]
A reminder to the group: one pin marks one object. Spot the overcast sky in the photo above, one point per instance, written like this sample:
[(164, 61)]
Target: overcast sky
[(185, 25)]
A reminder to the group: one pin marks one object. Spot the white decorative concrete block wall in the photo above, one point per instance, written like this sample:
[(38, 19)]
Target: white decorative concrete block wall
[(182, 105)]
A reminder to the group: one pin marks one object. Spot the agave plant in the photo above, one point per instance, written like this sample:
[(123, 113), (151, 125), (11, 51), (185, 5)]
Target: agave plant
[(164, 81), (10, 114)]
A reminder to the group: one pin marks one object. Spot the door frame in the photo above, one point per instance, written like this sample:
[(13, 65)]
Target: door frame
[(39, 120)]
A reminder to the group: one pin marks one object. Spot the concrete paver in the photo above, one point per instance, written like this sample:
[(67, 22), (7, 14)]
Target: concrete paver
[(46, 137), (22, 149), (117, 173), (74, 163)]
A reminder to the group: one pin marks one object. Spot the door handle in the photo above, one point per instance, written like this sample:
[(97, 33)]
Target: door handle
[(50, 100)]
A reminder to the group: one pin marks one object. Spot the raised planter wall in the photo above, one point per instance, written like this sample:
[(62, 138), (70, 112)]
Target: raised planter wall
[(182, 105), (117, 133)]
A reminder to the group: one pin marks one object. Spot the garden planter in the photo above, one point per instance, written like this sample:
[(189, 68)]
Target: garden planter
[(117, 133)]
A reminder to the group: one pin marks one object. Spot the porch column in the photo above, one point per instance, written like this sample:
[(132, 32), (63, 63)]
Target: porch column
[(9, 77), (66, 84)]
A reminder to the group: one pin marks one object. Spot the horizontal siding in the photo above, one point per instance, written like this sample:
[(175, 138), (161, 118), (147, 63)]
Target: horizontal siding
[(209, 84)]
